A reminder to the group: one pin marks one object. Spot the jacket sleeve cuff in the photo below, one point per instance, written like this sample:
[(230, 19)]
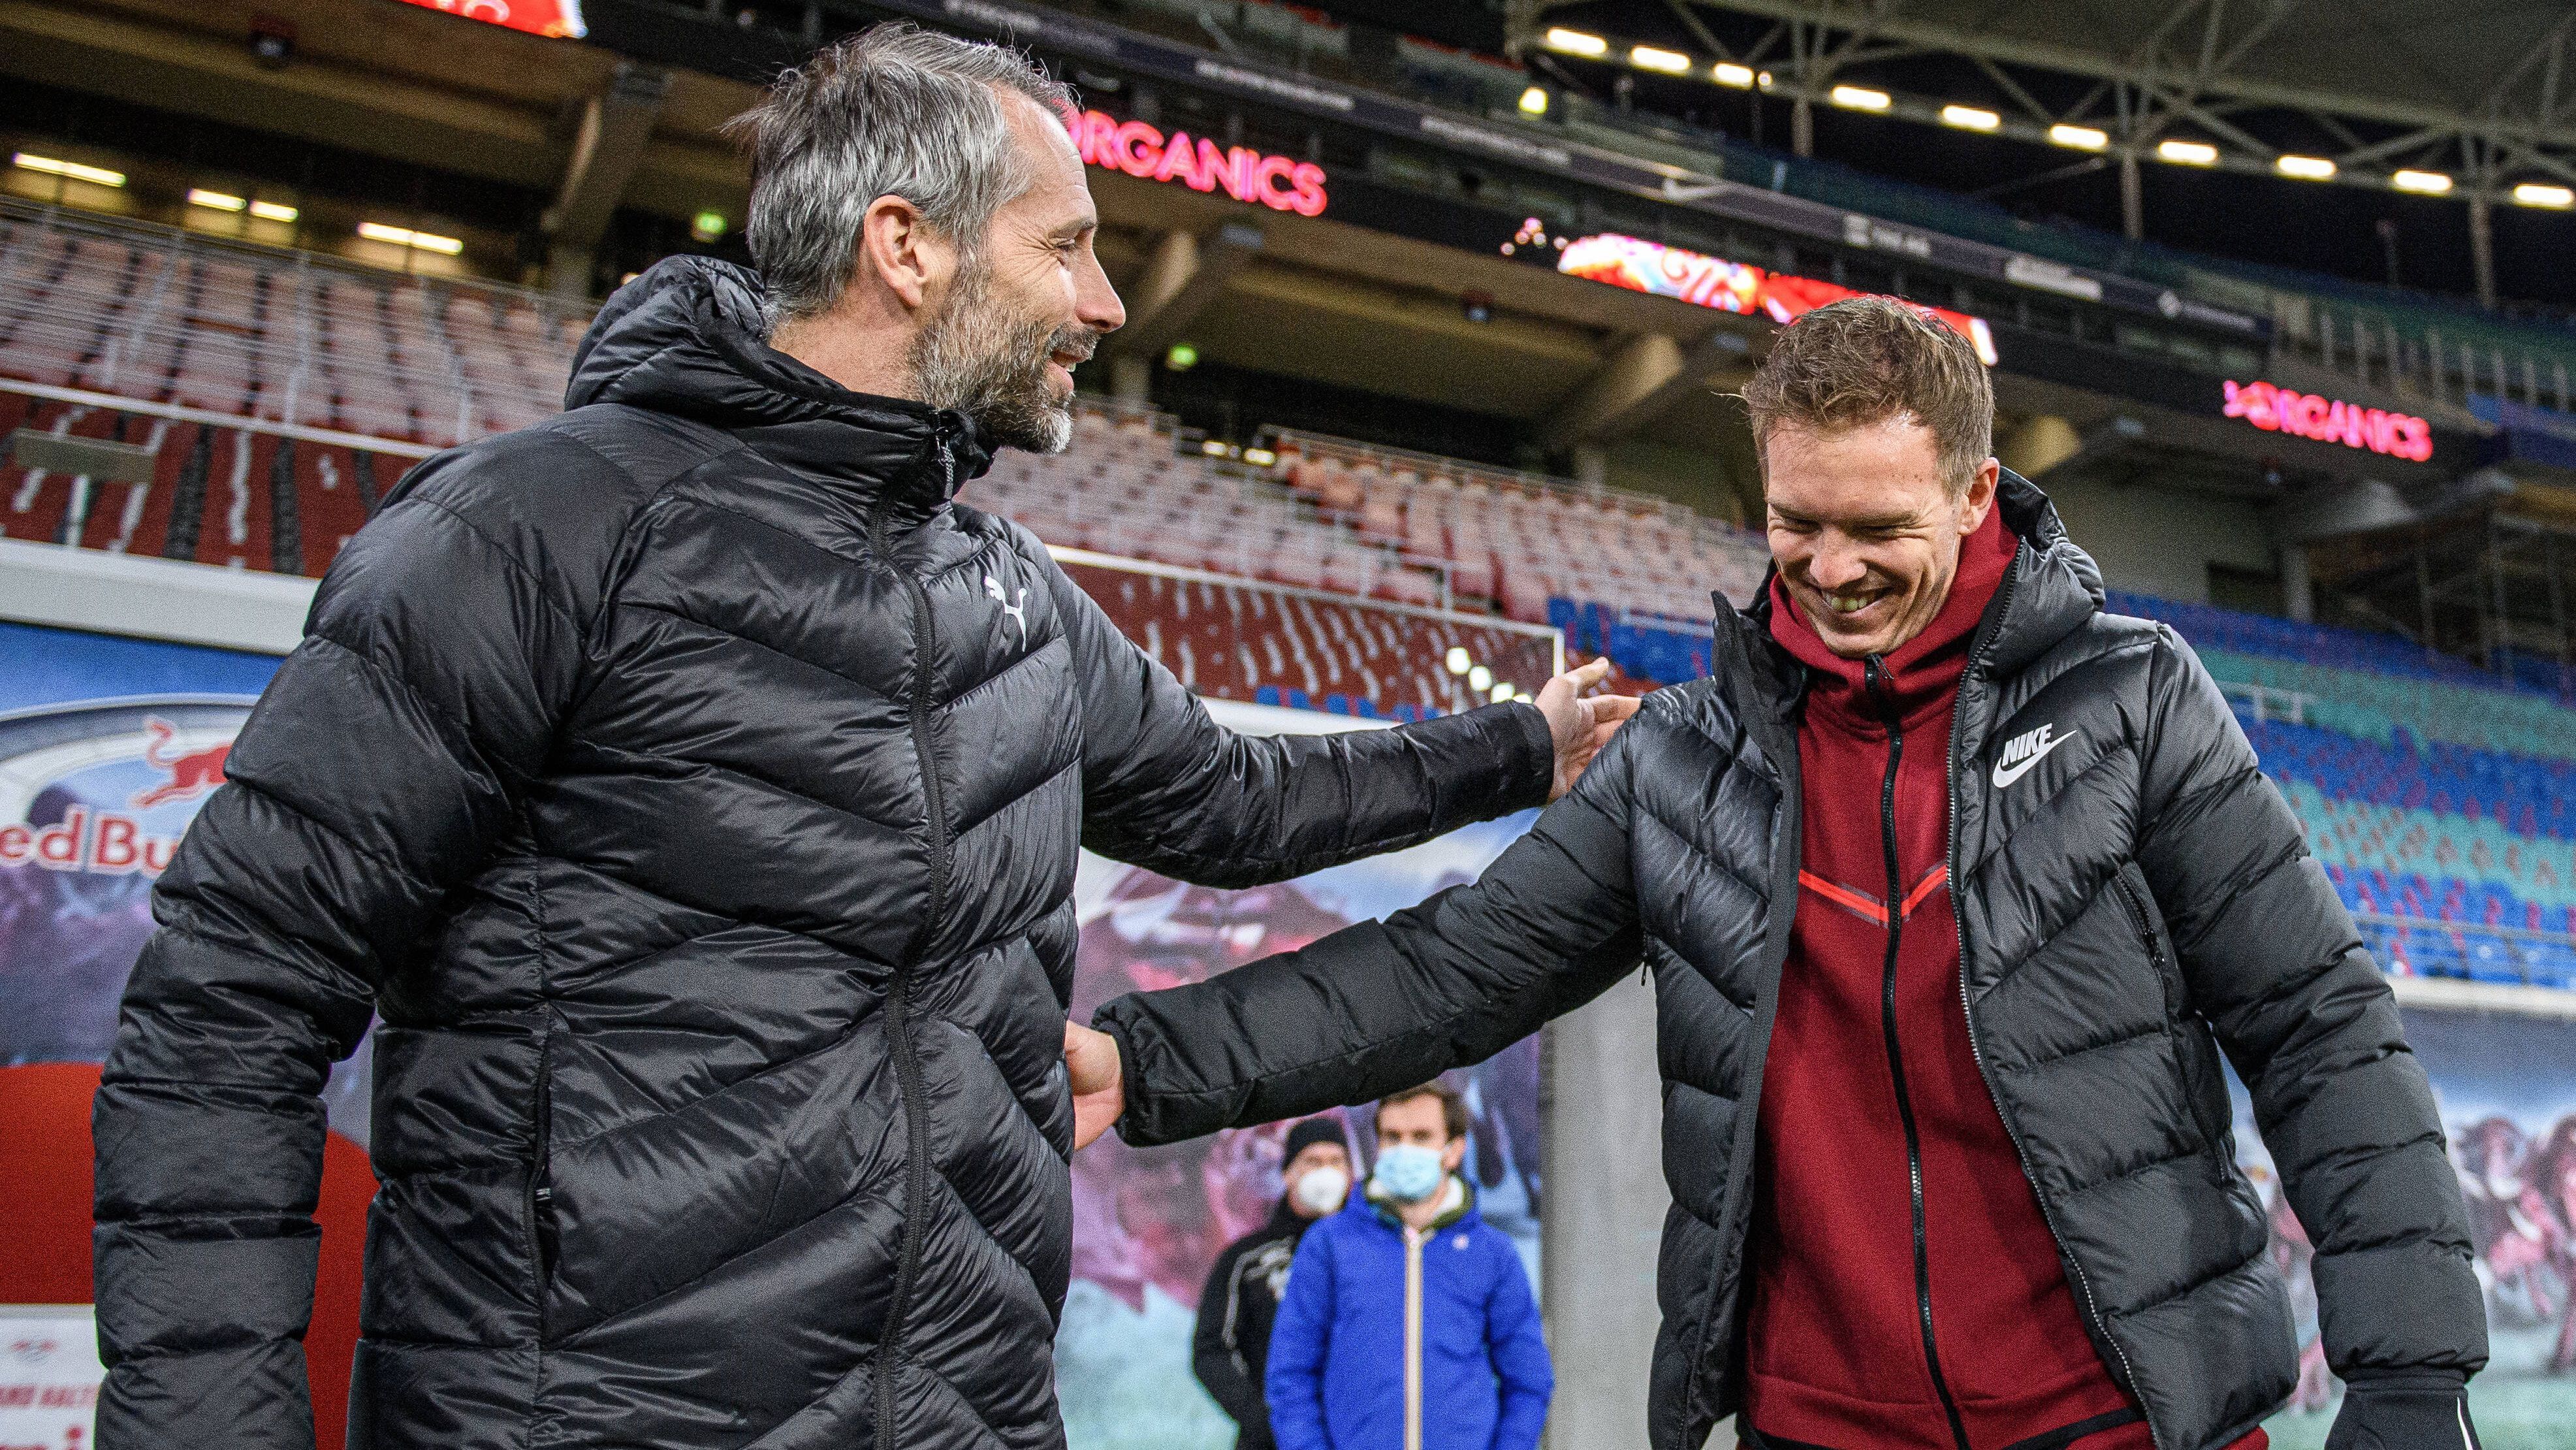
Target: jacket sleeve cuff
[(1138, 1122), (2407, 1381)]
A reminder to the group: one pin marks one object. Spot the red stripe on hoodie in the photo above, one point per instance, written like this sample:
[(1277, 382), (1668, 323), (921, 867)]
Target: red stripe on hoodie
[(1836, 1343)]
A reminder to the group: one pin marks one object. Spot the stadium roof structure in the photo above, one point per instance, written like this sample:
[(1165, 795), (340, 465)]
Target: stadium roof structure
[(2483, 93), (2494, 73)]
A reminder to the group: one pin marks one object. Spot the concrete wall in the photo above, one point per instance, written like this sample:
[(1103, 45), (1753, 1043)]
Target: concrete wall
[(2155, 542), (1604, 1216)]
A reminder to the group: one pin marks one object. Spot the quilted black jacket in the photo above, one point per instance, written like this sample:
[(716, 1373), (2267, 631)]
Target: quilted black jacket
[(694, 791), (2137, 901)]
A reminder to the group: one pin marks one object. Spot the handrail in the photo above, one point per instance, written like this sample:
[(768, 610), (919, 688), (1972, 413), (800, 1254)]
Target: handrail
[(2399, 920), (368, 442), (2289, 706)]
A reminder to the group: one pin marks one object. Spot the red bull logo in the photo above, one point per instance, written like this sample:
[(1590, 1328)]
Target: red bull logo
[(192, 772), (107, 790)]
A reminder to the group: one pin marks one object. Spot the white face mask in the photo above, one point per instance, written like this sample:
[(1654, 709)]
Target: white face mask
[(1322, 1190)]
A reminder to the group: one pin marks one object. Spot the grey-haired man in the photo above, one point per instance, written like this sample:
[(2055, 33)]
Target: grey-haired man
[(693, 791)]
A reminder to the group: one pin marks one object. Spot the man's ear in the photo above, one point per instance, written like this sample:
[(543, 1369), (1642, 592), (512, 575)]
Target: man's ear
[(1453, 1155), (1980, 496), (905, 257)]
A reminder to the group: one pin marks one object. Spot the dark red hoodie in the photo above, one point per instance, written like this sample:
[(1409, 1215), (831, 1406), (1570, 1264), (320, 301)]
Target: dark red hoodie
[(1884, 1316)]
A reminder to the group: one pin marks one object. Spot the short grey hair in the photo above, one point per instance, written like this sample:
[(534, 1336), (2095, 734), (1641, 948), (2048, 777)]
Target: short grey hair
[(893, 111)]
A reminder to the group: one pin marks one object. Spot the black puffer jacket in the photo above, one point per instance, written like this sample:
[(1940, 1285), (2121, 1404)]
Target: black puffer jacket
[(694, 790), (2136, 902)]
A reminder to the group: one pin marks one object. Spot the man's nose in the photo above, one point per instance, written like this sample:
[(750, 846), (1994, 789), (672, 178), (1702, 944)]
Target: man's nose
[(1095, 301), (1835, 566)]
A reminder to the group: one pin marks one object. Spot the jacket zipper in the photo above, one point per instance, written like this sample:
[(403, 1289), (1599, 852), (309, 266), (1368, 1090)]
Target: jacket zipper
[(1413, 1241), (898, 1004), (1780, 747), (1976, 1047), (2138, 918), (1874, 676), (541, 1190)]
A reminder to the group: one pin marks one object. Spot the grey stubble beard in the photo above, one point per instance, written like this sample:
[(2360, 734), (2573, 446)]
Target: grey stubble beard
[(978, 359)]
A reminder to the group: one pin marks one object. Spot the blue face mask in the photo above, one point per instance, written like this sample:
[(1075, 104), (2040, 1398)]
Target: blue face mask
[(1407, 1172)]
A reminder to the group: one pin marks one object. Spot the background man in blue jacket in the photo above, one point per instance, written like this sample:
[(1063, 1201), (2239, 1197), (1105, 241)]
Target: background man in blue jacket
[(1408, 1322)]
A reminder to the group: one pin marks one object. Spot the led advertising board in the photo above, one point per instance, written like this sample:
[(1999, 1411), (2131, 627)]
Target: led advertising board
[(2277, 409), (1282, 183), (536, 17), (1652, 267)]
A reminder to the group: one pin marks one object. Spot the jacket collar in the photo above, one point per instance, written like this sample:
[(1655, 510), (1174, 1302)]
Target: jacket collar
[(1285, 1219), (2054, 587), (685, 338), (1461, 1204)]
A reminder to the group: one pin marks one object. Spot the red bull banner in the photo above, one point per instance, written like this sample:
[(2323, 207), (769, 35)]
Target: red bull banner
[(2506, 1085), (108, 747)]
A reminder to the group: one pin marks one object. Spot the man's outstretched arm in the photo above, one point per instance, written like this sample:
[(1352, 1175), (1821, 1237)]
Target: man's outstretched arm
[(1165, 787), (365, 788), (1380, 1005)]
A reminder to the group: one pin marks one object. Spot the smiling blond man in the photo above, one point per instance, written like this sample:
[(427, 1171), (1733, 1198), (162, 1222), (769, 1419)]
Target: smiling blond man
[(1955, 889)]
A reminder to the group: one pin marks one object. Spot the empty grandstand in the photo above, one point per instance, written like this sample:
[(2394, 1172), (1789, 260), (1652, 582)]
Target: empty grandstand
[(167, 316)]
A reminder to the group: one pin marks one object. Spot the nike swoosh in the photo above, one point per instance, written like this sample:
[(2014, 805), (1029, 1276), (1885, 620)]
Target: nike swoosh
[(2007, 774)]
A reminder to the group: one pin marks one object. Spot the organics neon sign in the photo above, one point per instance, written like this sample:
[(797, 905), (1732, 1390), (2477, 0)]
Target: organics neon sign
[(2330, 420), (1652, 267), (1281, 183)]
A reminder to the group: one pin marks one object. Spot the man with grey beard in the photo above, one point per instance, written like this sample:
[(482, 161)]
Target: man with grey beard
[(693, 789)]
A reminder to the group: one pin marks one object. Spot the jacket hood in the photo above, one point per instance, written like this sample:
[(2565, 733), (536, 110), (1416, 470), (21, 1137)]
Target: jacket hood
[(685, 338)]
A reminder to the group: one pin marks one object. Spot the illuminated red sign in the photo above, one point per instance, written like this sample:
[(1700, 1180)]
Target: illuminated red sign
[(2331, 420), (1281, 183), (1643, 266), (536, 17)]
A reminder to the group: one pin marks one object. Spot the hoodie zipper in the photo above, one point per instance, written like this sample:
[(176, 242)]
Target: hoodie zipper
[(1874, 677), (1976, 1048), (1414, 1239), (898, 1003)]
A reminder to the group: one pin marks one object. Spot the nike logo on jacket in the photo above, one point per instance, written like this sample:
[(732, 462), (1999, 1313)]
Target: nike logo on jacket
[(2024, 751)]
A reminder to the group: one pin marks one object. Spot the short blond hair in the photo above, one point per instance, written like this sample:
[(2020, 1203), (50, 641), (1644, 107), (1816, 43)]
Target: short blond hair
[(1865, 360)]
